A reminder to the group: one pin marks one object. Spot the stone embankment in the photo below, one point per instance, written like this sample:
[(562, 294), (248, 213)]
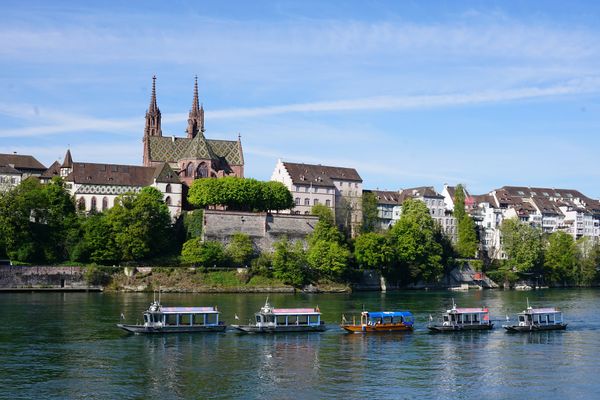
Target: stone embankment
[(14, 278)]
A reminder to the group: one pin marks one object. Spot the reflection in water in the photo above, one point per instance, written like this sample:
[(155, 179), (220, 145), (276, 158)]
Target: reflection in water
[(66, 345)]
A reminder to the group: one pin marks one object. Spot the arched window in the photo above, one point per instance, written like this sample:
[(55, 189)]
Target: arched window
[(297, 201), (168, 188), (202, 170), (93, 204), (307, 202), (81, 204), (168, 200), (189, 171), (104, 203)]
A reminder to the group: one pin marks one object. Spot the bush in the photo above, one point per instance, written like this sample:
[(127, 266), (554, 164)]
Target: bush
[(97, 276), (205, 254)]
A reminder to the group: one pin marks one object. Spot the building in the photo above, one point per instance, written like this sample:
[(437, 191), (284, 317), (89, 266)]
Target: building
[(16, 167), (194, 156), (96, 186), (388, 206), (437, 206), (338, 188)]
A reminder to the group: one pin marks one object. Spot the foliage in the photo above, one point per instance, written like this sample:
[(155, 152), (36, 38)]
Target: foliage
[(97, 276), (415, 240), (289, 263), (560, 258), (588, 263), (97, 243), (324, 213), (243, 194), (370, 213), (459, 202), (373, 251), (466, 244), (205, 254), (522, 244), (328, 259), (262, 265), (240, 249), (192, 223)]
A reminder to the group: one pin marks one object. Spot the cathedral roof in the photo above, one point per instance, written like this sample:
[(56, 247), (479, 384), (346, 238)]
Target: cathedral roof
[(120, 175), (172, 149)]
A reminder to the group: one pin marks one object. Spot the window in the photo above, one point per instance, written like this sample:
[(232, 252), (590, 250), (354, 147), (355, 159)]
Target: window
[(306, 213), (328, 203), (189, 170), (297, 201), (307, 202), (104, 203), (168, 188), (93, 204), (81, 204), (168, 200), (315, 201), (202, 170)]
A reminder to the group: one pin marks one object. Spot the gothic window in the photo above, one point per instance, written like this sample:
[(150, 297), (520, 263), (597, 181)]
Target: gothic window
[(81, 204), (202, 171), (93, 204), (168, 201), (189, 170), (168, 188), (104, 203)]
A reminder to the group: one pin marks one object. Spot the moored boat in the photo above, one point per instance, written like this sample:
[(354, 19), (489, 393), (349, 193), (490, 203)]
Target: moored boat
[(159, 319), (278, 320), (463, 319), (538, 319), (381, 321)]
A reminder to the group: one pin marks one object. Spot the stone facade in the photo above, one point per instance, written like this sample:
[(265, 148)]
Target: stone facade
[(263, 228)]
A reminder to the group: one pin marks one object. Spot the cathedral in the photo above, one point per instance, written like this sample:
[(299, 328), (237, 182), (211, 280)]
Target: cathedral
[(194, 156)]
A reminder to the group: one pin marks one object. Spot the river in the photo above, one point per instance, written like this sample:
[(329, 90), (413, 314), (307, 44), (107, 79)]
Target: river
[(66, 345)]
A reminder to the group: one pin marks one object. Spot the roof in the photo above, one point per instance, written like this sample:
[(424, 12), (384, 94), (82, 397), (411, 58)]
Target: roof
[(21, 161), (295, 311), (393, 314), (551, 310), (320, 175), (7, 169), (173, 149), (53, 170), (470, 310), (423, 191), (120, 175), (385, 197), (189, 310)]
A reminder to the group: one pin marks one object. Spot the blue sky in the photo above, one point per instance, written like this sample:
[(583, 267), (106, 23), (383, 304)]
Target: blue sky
[(409, 93)]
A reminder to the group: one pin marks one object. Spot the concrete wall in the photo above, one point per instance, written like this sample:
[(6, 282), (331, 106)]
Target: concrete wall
[(264, 229), (42, 277)]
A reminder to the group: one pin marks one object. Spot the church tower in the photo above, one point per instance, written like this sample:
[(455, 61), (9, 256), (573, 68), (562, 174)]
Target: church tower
[(152, 127), (196, 116)]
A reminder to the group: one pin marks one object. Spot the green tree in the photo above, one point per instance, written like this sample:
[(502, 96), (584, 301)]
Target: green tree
[(369, 212), (289, 263), (240, 249), (98, 241), (419, 255), (466, 244), (560, 259), (205, 254), (459, 202), (373, 251), (588, 263), (275, 197), (329, 259), (324, 213), (522, 244)]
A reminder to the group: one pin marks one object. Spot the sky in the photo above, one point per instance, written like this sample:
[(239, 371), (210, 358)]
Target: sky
[(410, 93)]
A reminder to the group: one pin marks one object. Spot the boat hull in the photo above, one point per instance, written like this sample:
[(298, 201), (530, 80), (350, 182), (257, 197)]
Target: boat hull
[(535, 328), (279, 328), (379, 328), (460, 328), (141, 329)]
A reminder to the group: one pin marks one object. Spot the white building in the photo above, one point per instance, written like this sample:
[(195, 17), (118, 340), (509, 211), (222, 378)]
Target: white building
[(339, 188), (96, 186), (14, 168), (438, 208)]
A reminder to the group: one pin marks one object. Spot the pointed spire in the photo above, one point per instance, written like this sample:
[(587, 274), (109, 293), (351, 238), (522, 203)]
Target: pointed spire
[(153, 118), (196, 116), (153, 105), (195, 102), (68, 160)]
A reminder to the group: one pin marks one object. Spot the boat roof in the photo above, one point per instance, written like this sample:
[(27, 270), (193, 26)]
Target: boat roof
[(188, 310), (549, 310), (295, 311), (383, 314), (469, 310)]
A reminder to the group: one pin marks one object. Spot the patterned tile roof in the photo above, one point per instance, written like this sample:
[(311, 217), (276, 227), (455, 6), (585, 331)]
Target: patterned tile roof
[(173, 149), (120, 175)]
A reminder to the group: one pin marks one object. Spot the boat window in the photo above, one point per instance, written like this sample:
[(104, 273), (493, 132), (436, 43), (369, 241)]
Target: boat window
[(170, 319), (212, 319), (270, 318), (292, 320), (258, 319), (521, 318), (184, 319), (551, 318), (197, 319), (476, 318), (467, 318), (146, 319), (446, 318), (280, 320), (453, 317), (302, 319)]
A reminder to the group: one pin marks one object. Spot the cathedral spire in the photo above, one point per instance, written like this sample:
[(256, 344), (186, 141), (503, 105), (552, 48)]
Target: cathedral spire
[(153, 114), (196, 116)]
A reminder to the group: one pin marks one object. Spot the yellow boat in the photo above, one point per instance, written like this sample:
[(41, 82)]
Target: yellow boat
[(381, 321)]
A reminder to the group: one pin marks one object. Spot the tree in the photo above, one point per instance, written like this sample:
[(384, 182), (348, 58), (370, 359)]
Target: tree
[(370, 212), (560, 259), (522, 244), (289, 263), (97, 243), (417, 252), (588, 263), (324, 213), (329, 259), (275, 197), (240, 249), (373, 251), (466, 244), (205, 254)]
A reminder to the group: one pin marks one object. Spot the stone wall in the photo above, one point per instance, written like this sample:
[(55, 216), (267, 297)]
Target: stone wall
[(263, 228), (15, 277)]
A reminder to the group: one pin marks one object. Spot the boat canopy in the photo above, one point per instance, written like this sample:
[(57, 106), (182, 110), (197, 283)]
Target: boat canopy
[(469, 310), (542, 311), (393, 314), (296, 311), (188, 310)]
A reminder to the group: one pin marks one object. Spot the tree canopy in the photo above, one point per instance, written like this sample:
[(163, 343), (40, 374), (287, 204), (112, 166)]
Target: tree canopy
[(522, 244)]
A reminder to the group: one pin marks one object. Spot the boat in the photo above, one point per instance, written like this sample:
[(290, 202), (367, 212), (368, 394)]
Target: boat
[(463, 319), (276, 320), (538, 319), (381, 321), (159, 319)]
